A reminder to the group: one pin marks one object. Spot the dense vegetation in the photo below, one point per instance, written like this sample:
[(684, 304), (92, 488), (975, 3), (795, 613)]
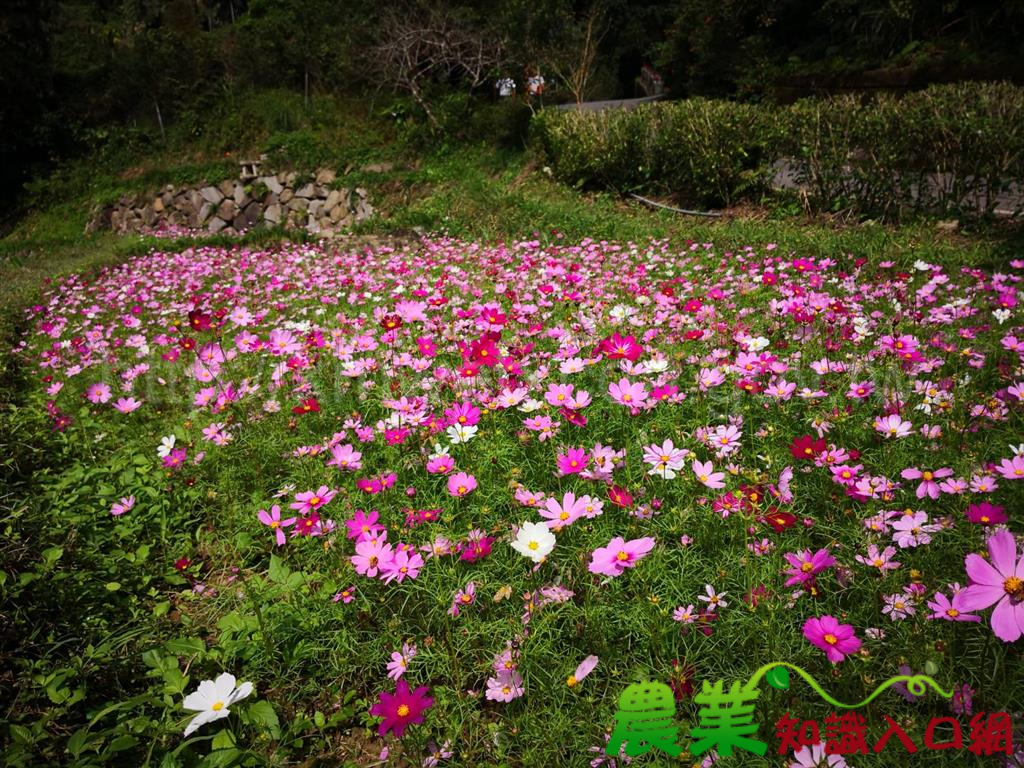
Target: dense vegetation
[(947, 149), (81, 76)]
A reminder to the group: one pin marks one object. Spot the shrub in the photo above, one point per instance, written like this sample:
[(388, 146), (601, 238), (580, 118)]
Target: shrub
[(949, 149)]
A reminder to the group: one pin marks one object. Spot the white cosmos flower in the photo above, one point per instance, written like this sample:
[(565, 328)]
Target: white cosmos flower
[(534, 541), (530, 405), (213, 698), (1017, 449), (166, 446), (461, 433), (1002, 315)]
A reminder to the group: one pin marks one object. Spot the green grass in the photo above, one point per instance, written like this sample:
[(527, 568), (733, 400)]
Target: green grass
[(89, 635)]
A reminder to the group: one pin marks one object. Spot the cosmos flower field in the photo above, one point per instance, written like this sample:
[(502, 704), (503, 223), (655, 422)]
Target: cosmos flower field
[(441, 503)]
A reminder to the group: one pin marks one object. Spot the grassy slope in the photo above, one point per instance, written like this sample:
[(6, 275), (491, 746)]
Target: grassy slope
[(474, 192)]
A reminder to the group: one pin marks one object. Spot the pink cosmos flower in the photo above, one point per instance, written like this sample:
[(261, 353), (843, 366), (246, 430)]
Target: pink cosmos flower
[(705, 472), (463, 598), (404, 565), (585, 668), (363, 525), (835, 639), (400, 661), (345, 457), (625, 392), (505, 687), (272, 520), (460, 484), (814, 756), (440, 465), (950, 610), (1012, 469), (566, 512), (880, 560), (572, 462), (893, 425), (127, 404), (805, 566), (928, 486), (998, 581), (986, 514), (619, 555), (118, 508), (345, 596), (98, 393), (310, 501), (371, 556), (401, 708)]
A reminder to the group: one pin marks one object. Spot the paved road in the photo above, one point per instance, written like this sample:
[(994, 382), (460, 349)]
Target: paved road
[(597, 106)]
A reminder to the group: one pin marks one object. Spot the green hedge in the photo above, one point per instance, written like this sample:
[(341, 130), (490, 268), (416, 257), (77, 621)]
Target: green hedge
[(947, 149)]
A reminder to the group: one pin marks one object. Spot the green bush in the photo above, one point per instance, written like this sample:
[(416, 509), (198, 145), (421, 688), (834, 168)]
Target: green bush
[(949, 149)]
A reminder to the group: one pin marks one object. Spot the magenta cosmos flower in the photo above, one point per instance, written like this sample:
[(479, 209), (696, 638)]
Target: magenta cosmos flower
[(401, 708), (1000, 583), (461, 484), (619, 555), (835, 639), (804, 566)]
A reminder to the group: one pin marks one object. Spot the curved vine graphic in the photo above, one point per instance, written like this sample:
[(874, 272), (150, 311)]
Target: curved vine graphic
[(778, 677)]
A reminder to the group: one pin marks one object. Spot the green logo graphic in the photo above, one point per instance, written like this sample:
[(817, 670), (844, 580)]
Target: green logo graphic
[(726, 719)]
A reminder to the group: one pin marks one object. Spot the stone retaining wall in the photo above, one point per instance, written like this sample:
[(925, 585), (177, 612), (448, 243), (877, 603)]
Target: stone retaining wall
[(316, 203)]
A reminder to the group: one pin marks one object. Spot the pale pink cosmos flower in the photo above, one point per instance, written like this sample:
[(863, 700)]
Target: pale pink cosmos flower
[(400, 660), (124, 505), (98, 393), (625, 392), (127, 404), (880, 560), (950, 610), (560, 514), (345, 457), (619, 555), (1012, 469), (371, 556), (585, 668), (893, 425), (927, 487), (713, 598), (705, 472), (505, 687)]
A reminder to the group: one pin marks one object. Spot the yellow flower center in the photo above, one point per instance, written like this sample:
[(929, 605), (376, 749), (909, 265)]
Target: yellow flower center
[(622, 556), (533, 545), (217, 706), (403, 710), (462, 489), (314, 501), (831, 639), (927, 475), (627, 398), (275, 524), (953, 612), (1014, 587), (807, 567), (571, 681)]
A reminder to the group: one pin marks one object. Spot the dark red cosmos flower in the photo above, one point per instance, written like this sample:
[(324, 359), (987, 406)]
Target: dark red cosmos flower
[(807, 447), (309, 405), (182, 563), (187, 343), (390, 322), (778, 520), (619, 496), (199, 321), (681, 679)]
